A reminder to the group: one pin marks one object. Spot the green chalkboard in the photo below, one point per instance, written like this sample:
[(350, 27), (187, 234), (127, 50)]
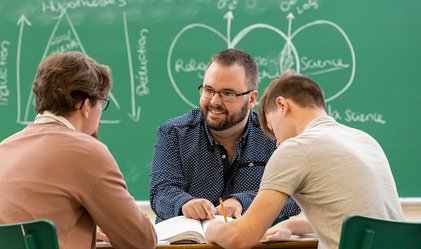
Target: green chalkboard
[(365, 54)]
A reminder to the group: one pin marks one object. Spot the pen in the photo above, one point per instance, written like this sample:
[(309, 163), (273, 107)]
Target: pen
[(223, 209)]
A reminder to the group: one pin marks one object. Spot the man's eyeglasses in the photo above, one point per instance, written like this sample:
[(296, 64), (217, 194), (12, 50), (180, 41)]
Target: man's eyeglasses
[(226, 96), (105, 103)]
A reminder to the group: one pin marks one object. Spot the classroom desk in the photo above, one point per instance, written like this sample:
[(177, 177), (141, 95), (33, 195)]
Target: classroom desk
[(272, 245)]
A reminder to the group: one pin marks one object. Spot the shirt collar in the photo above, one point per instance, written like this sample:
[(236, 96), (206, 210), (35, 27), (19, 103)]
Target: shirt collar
[(46, 117), (319, 120)]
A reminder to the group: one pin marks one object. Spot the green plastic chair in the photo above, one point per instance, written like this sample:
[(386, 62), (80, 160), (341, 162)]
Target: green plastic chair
[(36, 234), (360, 232)]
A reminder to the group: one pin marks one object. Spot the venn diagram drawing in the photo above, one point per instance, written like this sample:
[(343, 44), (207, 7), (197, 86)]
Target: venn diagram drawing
[(319, 49)]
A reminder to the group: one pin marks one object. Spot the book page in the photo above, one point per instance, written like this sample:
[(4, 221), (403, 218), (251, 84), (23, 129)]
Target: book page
[(180, 228)]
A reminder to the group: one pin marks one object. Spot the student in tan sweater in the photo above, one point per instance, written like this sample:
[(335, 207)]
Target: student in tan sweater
[(56, 169)]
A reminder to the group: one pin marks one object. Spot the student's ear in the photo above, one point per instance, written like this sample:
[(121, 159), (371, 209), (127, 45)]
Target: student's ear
[(282, 104), (86, 104), (252, 99)]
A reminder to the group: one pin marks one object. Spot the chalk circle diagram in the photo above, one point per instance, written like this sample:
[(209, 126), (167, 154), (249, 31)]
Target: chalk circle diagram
[(318, 49)]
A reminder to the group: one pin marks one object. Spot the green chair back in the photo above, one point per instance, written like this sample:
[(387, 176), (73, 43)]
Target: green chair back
[(36, 234), (360, 232)]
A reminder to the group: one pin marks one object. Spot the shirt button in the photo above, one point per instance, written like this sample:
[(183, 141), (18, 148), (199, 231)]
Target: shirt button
[(251, 164), (224, 156)]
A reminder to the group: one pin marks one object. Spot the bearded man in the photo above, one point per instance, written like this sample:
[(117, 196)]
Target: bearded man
[(217, 150)]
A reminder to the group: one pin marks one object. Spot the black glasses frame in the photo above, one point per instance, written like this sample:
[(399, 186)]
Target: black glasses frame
[(200, 88), (104, 105)]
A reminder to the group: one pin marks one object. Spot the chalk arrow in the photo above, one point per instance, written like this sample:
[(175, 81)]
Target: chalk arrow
[(23, 19), (290, 17), (21, 22), (289, 61), (229, 16), (135, 114)]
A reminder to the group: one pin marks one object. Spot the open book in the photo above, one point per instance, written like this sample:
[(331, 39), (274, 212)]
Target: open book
[(183, 230)]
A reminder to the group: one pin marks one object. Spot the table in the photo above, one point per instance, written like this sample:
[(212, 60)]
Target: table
[(271, 245)]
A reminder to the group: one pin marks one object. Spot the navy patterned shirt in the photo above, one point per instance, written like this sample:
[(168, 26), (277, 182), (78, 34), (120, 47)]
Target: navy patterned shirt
[(188, 163)]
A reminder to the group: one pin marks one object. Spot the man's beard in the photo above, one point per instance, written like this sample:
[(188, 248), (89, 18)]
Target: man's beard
[(229, 121)]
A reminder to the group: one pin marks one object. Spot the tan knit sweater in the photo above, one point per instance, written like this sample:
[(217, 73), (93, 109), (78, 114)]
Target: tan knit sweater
[(49, 171)]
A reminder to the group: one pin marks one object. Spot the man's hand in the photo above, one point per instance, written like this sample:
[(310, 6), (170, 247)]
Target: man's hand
[(298, 225), (279, 232), (232, 206), (199, 209)]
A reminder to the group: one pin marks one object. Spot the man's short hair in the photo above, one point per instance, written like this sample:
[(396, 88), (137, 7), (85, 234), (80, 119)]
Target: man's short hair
[(233, 56), (65, 78), (290, 85)]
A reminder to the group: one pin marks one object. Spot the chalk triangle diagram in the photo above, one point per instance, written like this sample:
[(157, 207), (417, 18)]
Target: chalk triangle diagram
[(65, 38)]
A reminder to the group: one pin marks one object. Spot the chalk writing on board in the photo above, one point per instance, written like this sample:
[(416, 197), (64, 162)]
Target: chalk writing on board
[(190, 66), (142, 73), (352, 116), (58, 7), (322, 66), (298, 8), (64, 37), (4, 88), (289, 56), (227, 4)]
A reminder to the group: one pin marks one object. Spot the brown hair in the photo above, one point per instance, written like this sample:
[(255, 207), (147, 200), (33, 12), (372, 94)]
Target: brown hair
[(290, 85), (63, 79), (233, 56)]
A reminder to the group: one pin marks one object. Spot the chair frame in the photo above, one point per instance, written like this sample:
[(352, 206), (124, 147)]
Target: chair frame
[(35, 234), (362, 232)]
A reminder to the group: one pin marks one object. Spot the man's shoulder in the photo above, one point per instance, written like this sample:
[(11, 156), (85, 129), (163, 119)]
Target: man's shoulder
[(93, 150), (254, 119), (58, 134), (189, 119), (83, 141), (64, 141)]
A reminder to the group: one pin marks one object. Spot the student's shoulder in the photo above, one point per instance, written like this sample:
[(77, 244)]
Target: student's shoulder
[(86, 142), (95, 153), (186, 120)]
